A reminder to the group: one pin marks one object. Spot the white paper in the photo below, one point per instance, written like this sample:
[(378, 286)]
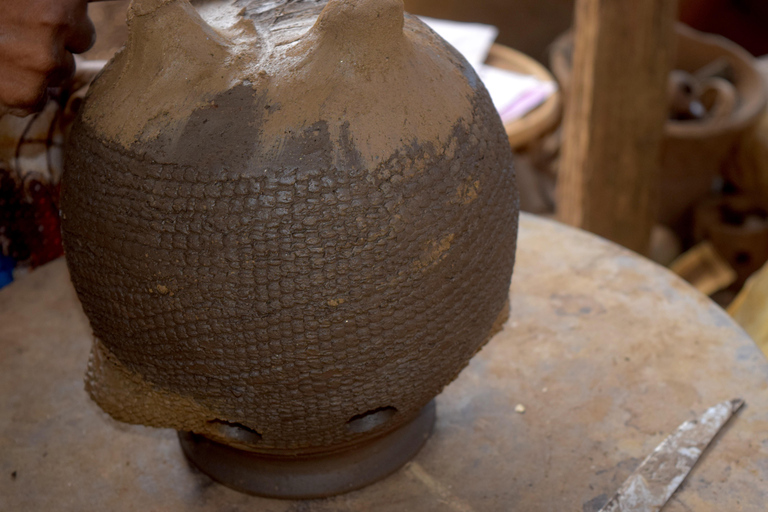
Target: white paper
[(473, 40), (513, 94)]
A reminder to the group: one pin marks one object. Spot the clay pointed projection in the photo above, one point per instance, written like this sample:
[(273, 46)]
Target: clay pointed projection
[(291, 224)]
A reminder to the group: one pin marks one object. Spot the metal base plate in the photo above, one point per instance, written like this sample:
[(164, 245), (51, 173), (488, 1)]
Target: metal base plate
[(309, 476)]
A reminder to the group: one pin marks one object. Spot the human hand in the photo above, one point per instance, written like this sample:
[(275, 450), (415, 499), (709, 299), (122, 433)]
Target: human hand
[(37, 40)]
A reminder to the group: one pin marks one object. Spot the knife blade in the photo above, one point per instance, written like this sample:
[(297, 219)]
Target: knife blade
[(649, 488)]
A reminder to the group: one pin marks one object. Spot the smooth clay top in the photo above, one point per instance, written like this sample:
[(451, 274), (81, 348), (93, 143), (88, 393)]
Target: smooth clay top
[(361, 66)]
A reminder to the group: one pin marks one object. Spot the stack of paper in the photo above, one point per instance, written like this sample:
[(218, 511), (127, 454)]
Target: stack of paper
[(513, 94)]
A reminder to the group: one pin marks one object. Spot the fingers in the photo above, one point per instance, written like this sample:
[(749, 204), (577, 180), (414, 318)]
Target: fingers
[(37, 40), (39, 65), (63, 71), (23, 93), (80, 33)]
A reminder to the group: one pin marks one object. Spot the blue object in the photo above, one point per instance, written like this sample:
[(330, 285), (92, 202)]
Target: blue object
[(7, 264)]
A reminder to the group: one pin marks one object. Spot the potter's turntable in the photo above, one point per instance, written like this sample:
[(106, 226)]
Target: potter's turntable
[(607, 352)]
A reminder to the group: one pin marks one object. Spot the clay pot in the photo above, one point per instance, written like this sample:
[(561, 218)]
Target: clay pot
[(748, 170), (737, 226), (694, 152), (290, 225)]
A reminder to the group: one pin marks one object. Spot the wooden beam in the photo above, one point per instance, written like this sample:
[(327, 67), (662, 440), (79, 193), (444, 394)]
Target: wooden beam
[(614, 119)]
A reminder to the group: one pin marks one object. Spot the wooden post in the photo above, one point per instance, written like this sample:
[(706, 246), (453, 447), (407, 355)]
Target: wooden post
[(614, 119)]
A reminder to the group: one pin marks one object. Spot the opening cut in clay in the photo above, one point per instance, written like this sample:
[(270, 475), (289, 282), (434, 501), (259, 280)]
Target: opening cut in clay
[(370, 420), (236, 431)]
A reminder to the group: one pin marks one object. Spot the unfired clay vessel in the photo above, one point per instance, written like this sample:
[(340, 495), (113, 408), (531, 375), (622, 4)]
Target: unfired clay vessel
[(290, 223)]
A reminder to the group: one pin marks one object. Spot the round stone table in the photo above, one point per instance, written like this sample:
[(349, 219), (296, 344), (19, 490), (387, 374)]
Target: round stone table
[(607, 352)]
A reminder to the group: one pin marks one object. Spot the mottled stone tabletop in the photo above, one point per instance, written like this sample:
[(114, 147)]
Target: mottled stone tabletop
[(607, 352)]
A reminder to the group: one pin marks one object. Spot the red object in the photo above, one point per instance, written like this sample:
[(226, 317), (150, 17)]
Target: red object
[(743, 22)]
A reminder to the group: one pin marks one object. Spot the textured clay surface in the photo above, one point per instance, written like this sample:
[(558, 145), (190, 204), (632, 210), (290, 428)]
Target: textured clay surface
[(301, 240)]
